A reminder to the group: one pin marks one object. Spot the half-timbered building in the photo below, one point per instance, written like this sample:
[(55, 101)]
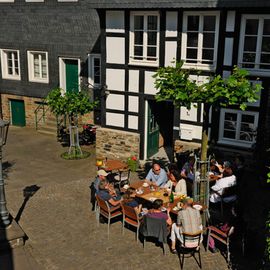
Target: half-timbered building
[(137, 37)]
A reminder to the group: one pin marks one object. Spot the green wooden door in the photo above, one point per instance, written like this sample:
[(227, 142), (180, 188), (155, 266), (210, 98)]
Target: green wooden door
[(152, 133), (72, 82), (17, 112)]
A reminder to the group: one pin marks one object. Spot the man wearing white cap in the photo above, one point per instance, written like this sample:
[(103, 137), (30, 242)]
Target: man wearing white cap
[(101, 176)]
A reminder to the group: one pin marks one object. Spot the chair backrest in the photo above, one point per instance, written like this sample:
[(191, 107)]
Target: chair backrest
[(129, 212), (155, 227), (102, 204), (220, 235), (124, 174), (192, 240)]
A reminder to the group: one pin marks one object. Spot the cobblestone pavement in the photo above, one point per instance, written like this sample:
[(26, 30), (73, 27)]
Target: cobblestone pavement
[(57, 219)]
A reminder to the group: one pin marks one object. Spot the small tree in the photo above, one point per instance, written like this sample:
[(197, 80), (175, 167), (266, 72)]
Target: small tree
[(72, 104), (173, 83)]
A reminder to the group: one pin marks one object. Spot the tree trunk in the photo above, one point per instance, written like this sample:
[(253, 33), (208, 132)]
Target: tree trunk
[(75, 150), (204, 144), (204, 184)]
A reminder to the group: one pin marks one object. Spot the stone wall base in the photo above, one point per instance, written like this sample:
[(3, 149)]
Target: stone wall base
[(182, 146), (30, 105), (117, 144)]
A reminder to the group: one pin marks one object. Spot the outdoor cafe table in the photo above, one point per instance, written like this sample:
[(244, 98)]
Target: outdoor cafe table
[(114, 165), (158, 193)]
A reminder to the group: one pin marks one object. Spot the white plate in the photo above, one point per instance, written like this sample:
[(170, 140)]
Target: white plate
[(139, 192), (197, 206), (126, 186), (152, 199), (145, 185)]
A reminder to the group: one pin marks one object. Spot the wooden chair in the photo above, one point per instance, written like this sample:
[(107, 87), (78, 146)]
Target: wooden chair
[(222, 237), (190, 246), (106, 211), (121, 177), (131, 217)]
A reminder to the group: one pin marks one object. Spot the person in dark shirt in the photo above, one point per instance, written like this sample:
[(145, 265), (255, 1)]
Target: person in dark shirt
[(107, 193), (129, 201), (187, 171), (156, 212)]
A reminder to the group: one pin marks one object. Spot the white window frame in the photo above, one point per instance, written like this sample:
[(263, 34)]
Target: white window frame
[(62, 72), (236, 142), (91, 75), (33, 1), (131, 42), (30, 58), (6, 1), (67, 0), (199, 65), (4, 65), (257, 70)]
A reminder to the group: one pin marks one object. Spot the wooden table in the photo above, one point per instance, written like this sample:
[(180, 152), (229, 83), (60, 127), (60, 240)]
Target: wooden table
[(149, 194), (114, 165), (158, 193)]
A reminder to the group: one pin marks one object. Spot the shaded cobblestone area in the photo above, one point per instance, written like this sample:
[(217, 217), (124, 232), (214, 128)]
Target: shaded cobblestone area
[(62, 230)]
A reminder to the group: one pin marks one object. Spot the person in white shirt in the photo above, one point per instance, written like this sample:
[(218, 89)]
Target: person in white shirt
[(176, 183), (228, 180)]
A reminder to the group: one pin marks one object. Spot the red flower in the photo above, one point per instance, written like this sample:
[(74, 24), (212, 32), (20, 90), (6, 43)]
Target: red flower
[(134, 158)]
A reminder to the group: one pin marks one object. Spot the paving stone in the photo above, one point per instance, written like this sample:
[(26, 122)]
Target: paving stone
[(62, 229)]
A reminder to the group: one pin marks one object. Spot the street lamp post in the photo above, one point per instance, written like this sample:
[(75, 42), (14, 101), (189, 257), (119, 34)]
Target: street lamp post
[(5, 221)]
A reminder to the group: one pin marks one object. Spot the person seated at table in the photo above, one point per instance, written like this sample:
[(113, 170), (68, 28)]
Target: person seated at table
[(215, 168), (129, 201), (107, 193), (176, 183), (228, 180), (101, 176), (156, 212), (188, 221), (156, 176), (187, 170)]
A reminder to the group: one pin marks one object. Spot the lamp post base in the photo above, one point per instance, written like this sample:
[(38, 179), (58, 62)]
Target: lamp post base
[(11, 236)]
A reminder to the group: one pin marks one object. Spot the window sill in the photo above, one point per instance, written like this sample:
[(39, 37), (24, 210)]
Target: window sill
[(38, 81), (258, 72), (199, 67), (241, 144), (15, 78), (144, 63)]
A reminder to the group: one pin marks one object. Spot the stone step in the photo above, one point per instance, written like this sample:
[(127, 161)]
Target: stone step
[(51, 123), (50, 118)]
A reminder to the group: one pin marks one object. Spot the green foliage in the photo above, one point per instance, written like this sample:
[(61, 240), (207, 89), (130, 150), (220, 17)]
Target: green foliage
[(132, 163), (174, 84), (268, 178), (71, 103)]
